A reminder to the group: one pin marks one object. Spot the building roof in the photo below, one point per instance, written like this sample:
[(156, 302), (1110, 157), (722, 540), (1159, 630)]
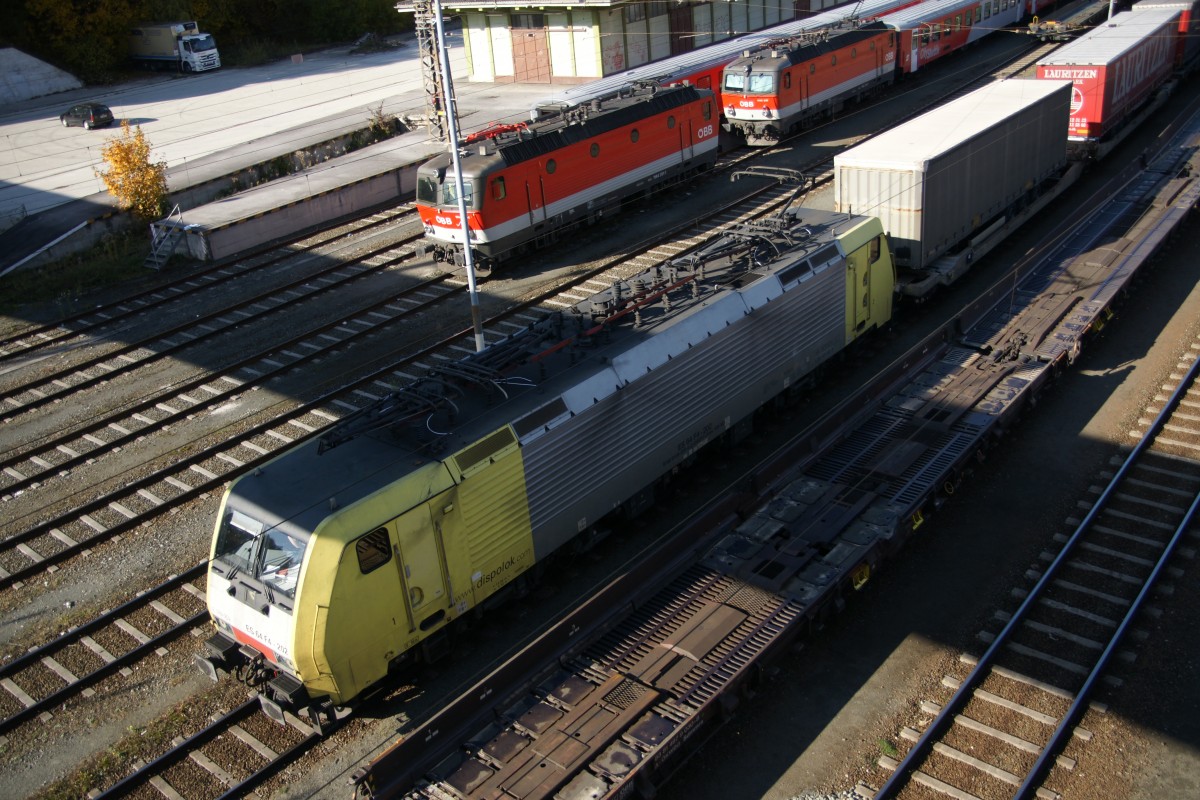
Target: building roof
[(916, 142), (1112, 39)]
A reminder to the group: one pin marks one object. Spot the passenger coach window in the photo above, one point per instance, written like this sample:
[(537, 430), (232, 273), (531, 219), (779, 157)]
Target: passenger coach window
[(373, 550)]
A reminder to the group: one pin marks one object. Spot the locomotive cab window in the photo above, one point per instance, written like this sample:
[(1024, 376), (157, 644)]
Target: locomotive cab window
[(373, 550), (450, 193), (761, 83), (498, 191), (787, 80), (427, 189), (237, 538), (707, 111)]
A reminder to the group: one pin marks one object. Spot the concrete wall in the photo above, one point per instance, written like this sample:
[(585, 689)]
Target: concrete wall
[(23, 77)]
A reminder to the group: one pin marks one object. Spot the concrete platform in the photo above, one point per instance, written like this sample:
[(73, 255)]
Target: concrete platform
[(354, 183), (202, 165)]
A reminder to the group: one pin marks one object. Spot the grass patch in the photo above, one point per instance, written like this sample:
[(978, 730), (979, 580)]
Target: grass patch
[(114, 260), (139, 744), (888, 749)]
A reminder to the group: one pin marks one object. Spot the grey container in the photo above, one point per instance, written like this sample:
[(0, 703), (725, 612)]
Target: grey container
[(941, 179)]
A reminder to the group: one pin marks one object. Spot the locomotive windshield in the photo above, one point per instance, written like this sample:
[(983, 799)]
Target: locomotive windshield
[(427, 189), (750, 82), (443, 191), (271, 555), (450, 192)]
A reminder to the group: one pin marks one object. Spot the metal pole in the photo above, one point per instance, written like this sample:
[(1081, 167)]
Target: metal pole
[(451, 111)]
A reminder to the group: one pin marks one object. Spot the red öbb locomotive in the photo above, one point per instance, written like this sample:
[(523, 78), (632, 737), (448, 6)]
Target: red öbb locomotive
[(524, 184), (772, 92)]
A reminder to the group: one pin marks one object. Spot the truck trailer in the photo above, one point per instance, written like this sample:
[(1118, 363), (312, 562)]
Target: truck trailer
[(941, 180), (176, 45)]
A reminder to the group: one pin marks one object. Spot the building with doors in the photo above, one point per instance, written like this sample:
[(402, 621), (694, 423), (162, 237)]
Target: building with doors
[(577, 42)]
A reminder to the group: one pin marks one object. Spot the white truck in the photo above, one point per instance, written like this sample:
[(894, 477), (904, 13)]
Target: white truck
[(178, 45)]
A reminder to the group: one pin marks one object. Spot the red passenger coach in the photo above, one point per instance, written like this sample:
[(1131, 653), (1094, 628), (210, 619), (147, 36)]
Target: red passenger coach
[(525, 184), (1115, 69), (934, 30)]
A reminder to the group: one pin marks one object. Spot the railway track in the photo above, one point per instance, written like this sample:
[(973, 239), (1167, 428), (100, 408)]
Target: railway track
[(26, 468), (229, 757), (658, 669), (295, 429), (205, 469), (1003, 730), (32, 340), (113, 364), (41, 679)]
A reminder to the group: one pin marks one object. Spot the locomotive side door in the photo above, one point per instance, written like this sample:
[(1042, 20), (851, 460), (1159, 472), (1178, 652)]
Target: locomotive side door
[(535, 200), (420, 564), (687, 140)]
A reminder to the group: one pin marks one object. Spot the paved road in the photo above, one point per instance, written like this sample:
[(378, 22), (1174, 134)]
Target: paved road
[(187, 118)]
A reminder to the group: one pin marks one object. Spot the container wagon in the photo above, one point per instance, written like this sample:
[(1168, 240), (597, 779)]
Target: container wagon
[(951, 176), (1115, 68), (1187, 51)]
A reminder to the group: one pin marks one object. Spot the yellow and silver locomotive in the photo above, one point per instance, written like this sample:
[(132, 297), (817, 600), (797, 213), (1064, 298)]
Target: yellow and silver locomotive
[(352, 553)]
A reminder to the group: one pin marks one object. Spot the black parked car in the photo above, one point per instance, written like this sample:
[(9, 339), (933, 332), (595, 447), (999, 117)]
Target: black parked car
[(89, 115)]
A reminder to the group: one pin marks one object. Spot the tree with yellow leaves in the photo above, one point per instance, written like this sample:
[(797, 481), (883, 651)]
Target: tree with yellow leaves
[(139, 184)]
